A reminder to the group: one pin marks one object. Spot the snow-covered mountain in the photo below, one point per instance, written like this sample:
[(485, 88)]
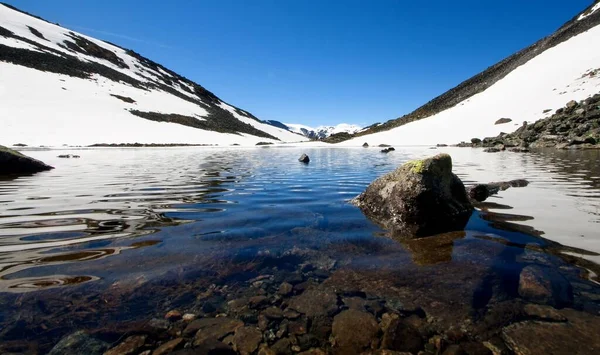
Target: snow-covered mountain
[(527, 86), (322, 132), (61, 87)]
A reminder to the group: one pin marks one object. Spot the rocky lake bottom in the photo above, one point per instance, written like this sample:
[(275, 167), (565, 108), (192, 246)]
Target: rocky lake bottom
[(223, 251)]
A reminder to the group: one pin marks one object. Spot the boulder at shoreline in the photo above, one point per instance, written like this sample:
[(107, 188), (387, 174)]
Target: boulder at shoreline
[(418, 199), (13, 162)]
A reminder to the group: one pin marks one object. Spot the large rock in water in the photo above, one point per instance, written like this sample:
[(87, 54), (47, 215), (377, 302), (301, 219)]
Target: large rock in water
[(13, 162), (420, 198)]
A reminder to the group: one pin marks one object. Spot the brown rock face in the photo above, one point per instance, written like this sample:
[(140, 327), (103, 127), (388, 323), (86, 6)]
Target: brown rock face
[(401, 337), (246, 339), (354, 331), (212, 328), (577, 336), (418, 199), (314, 303), (130, 346), (545, 286)]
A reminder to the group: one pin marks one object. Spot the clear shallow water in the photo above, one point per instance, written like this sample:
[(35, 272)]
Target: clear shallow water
[(128, 222)]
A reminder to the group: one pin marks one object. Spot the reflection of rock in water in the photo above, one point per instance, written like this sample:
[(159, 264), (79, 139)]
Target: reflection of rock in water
[(433, 250)]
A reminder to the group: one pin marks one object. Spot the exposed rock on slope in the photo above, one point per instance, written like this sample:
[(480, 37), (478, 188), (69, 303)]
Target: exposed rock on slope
[(59, 86), (13, 162), (575, 126), (418, 199)]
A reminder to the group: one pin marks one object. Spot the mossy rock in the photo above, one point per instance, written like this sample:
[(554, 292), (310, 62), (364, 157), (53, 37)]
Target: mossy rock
[(420, 198), (13, 162)]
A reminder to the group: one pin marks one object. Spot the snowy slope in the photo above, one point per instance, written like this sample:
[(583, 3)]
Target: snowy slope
[(322, 131), (548, 81), (57, 87)]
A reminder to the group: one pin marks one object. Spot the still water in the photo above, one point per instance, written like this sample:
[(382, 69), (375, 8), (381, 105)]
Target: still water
[(148, 226)]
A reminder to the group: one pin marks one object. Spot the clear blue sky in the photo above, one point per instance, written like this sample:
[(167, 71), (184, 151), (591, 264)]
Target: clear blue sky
[(318, 61)]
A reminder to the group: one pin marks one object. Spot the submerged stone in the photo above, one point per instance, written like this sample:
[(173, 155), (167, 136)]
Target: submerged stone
[(13, 162), (418, 199), (79, 343)]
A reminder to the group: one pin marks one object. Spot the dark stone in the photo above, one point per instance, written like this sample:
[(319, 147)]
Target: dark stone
[(216, 328), (13, 162), (246, 339), (285, 289), (387, 150), (577, 336), (420, 198), (481, 192), (131, 345), (503, 121), (282, 347), (545, 286), (209, 347), (304, 159), (354, 331), (69, 156), (365, 145), (79, 343), (315, 303), (169, 347), (475, 141), (401, 337)]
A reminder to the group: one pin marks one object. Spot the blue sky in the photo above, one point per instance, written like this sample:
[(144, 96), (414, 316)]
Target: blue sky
[(318, 61)]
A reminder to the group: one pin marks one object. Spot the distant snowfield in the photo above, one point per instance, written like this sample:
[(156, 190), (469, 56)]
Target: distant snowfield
[(548, 81), (44, 108)]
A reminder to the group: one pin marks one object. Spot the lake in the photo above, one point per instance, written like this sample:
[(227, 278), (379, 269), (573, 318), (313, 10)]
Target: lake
[(111, 242)]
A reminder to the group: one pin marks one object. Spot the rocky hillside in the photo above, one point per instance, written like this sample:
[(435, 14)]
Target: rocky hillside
[(538, 78), (575, 126), (62, 87)]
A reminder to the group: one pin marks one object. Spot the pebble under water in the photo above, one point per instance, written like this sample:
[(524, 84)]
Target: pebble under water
[(216, 250)]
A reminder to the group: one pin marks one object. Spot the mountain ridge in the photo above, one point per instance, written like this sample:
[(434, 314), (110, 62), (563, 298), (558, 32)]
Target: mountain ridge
[(480, 82), (28, 41)]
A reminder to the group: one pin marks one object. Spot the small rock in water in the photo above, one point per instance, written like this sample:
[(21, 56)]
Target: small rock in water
[(418, 199), (69, 156), (387, 150), (545, 286), (173, 315), (168, 347), (79, 343), (285, 289), (365, 145), (131, 345), (247, 339), (354, 331), (188, 317), (304, 159)]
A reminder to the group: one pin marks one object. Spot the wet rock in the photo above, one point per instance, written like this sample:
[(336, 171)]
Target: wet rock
[(247, 339), (321, 328), (492, 150), (79, 343), (545, 286), (387, 150), (454, 350), (297, 327), (418, 199), (273, 313), (13, 162), (285, 289), (290, 314), (481, 192), (313, 352), (188, 317), (475, 141), (355, 303), (131, 345), (169, 347), (365, 145), (541, 312), (401, 336), (497, 346), (173, 316), (314, 303), (578, 336), (210, 347), (503, 121), (519, 150), (354, 331), (304, 159), (216, 328), (258, 301), (282, 347)]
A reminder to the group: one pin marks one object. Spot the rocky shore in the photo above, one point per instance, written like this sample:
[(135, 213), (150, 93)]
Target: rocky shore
[(575, 126)]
